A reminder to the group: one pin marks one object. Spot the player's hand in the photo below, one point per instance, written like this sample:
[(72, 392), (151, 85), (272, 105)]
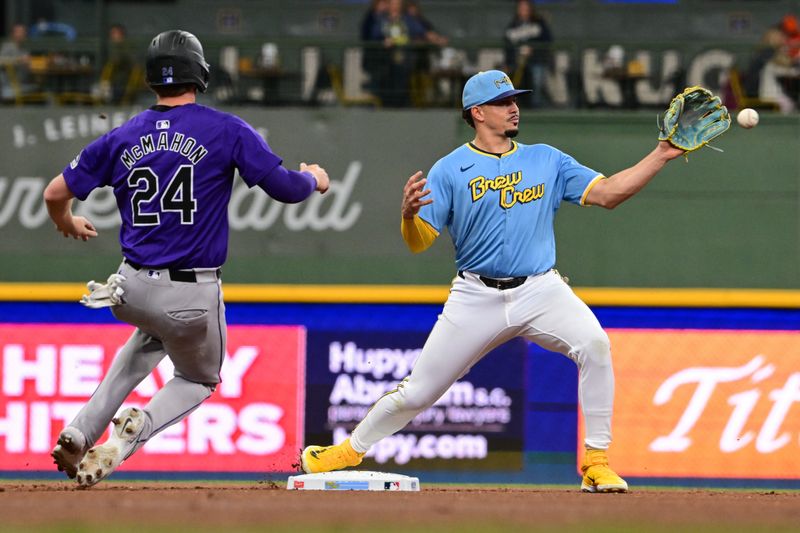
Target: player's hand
[(323, 181), (668, 151), (414, 194), (78, 228)]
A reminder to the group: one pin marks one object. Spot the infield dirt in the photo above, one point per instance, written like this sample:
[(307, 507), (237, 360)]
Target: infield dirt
[(267, 506)]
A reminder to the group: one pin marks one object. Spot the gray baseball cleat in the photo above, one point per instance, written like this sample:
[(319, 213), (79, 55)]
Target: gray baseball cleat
[(69, 450), (100, 461)]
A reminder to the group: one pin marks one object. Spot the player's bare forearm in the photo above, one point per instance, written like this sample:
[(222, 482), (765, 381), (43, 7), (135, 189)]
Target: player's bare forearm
[(414, 194), (68, 225), (617, 188), (58, 199), (60, 212)]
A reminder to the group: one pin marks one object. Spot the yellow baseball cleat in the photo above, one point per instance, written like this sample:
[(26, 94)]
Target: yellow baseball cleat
[(597, 476), (317, 459)]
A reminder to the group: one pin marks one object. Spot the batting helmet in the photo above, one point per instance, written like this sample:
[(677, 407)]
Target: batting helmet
[(176, 56)]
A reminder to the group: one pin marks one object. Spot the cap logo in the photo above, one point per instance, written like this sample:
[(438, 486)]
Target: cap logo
[(502, 81), (488, 86)]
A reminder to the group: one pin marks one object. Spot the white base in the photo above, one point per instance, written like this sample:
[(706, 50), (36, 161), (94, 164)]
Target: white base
[(353, 480)]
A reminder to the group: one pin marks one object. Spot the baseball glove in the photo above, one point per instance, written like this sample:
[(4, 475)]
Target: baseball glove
[(693, 118)]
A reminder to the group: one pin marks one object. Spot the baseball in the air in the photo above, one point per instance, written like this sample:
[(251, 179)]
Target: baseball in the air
[(747, 118)]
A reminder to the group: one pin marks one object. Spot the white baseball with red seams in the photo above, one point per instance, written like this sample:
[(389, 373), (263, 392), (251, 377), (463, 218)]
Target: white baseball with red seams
[(747, 118)]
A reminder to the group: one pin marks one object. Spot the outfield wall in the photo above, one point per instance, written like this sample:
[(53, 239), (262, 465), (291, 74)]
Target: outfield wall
[(704, 395), (727, 219)]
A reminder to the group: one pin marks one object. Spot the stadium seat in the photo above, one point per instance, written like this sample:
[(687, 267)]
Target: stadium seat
[(338, 88), (21, 95), (742, 100)]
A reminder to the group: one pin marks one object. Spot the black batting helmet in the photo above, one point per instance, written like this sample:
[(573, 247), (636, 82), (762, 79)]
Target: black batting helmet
[(176, 56)]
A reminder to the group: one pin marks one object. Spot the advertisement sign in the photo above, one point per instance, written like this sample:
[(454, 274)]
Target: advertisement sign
[(252, 422), (706, 403), (477, 424)]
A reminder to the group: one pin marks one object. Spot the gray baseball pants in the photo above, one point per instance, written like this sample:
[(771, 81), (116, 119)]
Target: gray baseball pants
[(182, 320)]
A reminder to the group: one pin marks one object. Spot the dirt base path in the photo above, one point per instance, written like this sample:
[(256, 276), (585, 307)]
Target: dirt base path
[(119, 506)]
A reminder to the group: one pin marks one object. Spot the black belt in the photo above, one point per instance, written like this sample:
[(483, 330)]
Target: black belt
[(500, 284), (175, 274)]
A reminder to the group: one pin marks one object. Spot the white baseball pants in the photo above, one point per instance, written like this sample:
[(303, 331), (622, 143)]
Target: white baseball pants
[(477, 319)]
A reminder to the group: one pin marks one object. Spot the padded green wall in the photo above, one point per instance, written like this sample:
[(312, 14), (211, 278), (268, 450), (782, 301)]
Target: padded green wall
[(727, 219)]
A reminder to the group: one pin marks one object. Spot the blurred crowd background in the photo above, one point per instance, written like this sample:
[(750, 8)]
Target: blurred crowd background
[(409, 53)]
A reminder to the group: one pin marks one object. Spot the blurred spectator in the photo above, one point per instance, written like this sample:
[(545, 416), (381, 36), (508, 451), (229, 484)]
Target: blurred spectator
[(15, 49), (791, 82), (426, 41), (791, 32), (772, 66), (528, 53), (119, 67), (396, 30), (15, 63), (769, 49), (377, 8), (422, 26), (375, 57)]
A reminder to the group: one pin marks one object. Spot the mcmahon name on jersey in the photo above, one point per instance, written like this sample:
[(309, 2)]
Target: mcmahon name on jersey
[(177, 142)]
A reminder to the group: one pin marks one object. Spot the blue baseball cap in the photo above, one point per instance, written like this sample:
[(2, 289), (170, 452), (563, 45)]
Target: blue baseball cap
[(488, 86)]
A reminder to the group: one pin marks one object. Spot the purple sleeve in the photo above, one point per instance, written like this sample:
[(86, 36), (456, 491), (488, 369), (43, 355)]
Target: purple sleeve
[(289, 186), (89, 170), (252, 155)]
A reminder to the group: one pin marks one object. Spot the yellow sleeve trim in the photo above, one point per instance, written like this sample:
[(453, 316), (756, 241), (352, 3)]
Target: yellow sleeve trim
[(418, 234), (589, 187)]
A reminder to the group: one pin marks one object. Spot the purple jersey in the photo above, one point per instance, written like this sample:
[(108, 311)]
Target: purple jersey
[(172, 171)]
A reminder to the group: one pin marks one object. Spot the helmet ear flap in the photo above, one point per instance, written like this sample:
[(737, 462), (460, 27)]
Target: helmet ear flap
[(206, 74)]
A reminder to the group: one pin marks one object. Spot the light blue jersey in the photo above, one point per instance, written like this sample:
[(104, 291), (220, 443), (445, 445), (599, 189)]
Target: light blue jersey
[(500, 210)]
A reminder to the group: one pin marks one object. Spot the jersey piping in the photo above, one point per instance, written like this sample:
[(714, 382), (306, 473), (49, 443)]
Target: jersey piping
[(492, 154), (589, 187)]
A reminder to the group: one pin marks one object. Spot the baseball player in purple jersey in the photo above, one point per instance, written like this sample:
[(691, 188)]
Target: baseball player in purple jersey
[(498, 199), (172, 170)]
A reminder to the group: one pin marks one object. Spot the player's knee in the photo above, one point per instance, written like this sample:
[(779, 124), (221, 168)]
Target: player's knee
[(136, 368), (410, 398), (595, 349), (599, 348), (418, 403)]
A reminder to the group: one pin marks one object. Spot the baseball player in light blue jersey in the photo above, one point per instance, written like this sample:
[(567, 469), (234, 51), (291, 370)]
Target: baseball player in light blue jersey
[(498, 200)]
